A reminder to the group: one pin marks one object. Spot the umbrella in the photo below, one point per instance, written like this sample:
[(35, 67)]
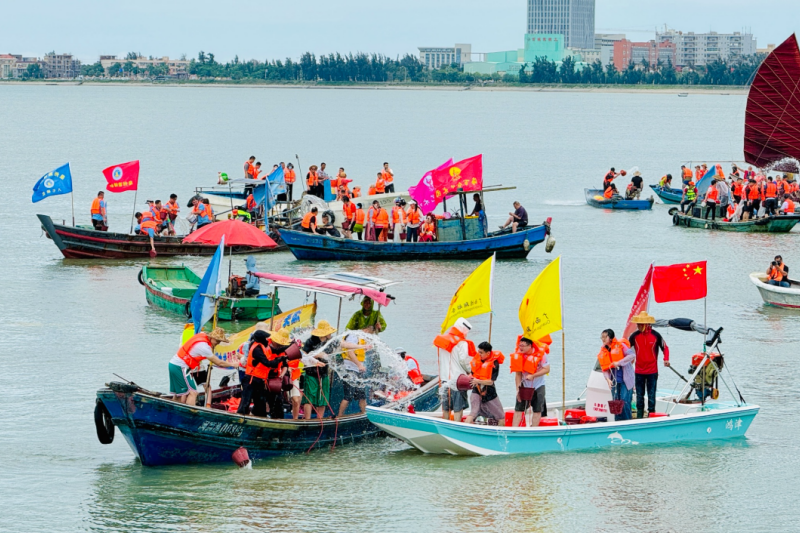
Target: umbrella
[(236, 232)]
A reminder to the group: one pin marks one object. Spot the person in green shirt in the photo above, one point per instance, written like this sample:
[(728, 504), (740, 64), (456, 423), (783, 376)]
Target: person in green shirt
[(366, 319)]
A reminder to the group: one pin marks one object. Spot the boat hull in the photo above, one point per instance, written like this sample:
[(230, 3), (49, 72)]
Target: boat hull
[(81, 243), (668, 195), (625, 205), (774, 224), (432, 435), (312, 247), (164, 432), (786, 297)]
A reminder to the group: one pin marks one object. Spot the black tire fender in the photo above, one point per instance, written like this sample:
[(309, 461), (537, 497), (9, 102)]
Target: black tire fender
[(675, 219), (329, 214), (140, 277), (187, 309), (103, 423)]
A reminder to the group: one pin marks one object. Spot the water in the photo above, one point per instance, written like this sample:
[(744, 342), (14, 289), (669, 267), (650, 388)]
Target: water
[(70, 324)]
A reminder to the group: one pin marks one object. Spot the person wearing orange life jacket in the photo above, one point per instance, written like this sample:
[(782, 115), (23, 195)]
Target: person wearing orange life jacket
[(379, 220), (428, 229), (201, 213), (705, 381), (609, 177), (248, 168), (610, 192), (312, 182), (530, 365), (99, 212), (738, 190), (787, 207), (349, 221), (147, 227), (484, 401), (455, 353), (356, 192), (616, 361), (770, 197), (398, 220), (751, 192), (712, 199), (172, 211), (289, 176), (309, 222), (189, 357), (263, 363), (380, 184), (413, 219), (686, 173), (360, 220), (778, 273), (388, 177), (252, 207), (412, 366)]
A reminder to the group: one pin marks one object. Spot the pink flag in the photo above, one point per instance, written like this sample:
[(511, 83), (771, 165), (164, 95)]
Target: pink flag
[(423, 192), (641, 303), (122, 177)]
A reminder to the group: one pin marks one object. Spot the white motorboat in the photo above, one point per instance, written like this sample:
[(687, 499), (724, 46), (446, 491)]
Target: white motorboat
[(788, 297)]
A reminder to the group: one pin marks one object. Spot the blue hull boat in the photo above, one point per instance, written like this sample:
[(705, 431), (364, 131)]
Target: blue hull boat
[(161, 431), (429, 433), (506, 245), (594, 197), (667, 194)]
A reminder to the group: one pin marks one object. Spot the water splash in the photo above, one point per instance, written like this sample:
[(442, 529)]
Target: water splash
[(787, 164)]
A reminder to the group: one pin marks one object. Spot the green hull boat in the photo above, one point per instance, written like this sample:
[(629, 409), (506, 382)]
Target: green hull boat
[(171, 288), (771, 224)]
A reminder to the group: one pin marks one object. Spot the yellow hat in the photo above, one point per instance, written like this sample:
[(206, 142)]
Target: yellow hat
[(323, 329), (281, 337), (218, 335), (643, 318)]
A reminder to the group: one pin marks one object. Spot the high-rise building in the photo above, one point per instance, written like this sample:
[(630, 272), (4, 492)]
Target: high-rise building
[(574, 19), (703, 48)]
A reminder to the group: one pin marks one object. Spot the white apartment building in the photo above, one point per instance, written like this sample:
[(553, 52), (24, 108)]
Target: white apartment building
[(436, 57), (177, 67), (703, 48), (574, 19)]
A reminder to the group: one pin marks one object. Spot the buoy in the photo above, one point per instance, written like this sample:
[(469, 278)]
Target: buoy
[(240, 457), (551, 243), (526, 244)]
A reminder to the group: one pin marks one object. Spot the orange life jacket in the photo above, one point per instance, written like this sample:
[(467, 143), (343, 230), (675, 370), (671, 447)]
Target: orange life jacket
[(789, 207), (413, 216), (306, 223), (484, 369), (349, 210), (183, 352), (360, 216), (380, 185), (256, 172), (687, 173), (147, 224), (608, 193), (289, 176), (449, 340), (698, 174), (731, 210), (414, 374), (428, 228), (775, 273), (294, 366), (381, 218), (173, 207), (712, 194), (771, 190), (356, 192), (97, 209), (250, 169), (607, 357), (251, 203), (752, 192), (312, 180), (737, 189), (387, 177), (256, 371), (398, 215), (529, 363), (147, 216)]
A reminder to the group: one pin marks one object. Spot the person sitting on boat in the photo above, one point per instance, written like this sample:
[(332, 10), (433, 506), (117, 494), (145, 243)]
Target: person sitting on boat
[(753, 196), (712, 199), (99, 212), (646, 344), (770, 197), (252, 282), (327, 228), (413, 219), (609, 177), (356, 192), (665, 182), (689, 197), (455, 353), (198, 348), (611, 192), (517, 219), (778, 273), (635, 187), (428, 229), (483, 401), (146, 227), (358, 224), (616, 360), (530, 365), (366, 319), (309, 222), (787, 207), (412, 366), (349, 220), (705, 381), (398, 220)]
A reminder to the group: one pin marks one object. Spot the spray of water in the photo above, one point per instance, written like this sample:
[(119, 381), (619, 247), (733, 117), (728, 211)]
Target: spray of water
[(787, 164)]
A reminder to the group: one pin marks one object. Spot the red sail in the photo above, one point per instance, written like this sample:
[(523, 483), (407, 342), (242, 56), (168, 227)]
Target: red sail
[(772, 119)]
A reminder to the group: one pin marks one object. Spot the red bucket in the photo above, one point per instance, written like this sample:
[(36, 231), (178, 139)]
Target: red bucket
[(510, 420), (548, 422), (240, 457), (292, 353), (462, 383), (615, 407)]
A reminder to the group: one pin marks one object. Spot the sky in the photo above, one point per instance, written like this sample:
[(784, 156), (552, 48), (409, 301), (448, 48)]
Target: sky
[(266, 29)]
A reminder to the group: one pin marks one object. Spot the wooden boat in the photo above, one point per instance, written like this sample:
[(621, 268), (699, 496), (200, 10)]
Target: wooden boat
[(594, 197), (161, 431), (77, 242), (668, 195), (171, 288), (770, 224), (788, 297)]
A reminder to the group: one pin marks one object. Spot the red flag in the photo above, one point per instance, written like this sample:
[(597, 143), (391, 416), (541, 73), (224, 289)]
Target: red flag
[(686, 281), (641, 303), (466, 174), (122, 177)]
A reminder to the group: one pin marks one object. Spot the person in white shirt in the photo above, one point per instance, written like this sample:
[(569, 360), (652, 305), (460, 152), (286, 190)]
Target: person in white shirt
[(453, 364)]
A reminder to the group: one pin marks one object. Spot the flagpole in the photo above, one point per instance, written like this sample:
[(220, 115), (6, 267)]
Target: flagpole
[(491, 295), (563, 348), (72, 200), (133, 215)]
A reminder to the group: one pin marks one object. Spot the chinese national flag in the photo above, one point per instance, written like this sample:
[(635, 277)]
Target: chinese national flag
[(686, 281), (122, 177)]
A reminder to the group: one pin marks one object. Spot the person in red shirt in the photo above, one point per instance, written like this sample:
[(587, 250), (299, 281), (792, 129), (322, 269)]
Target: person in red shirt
[(646, 343)]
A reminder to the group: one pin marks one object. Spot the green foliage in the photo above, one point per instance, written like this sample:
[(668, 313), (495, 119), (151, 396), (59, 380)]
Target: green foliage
[(95, 70), (33, 72)]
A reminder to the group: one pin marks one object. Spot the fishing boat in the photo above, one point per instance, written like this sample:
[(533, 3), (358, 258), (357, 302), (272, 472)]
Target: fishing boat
[(767, 224), (594, 197), (162, 431), (80, 242), (171, 288), (679, 418), (788, 297), (668, 195)]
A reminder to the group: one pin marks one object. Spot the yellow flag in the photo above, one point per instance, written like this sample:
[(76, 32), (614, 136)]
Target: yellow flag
[(473, 297), (540, 310)]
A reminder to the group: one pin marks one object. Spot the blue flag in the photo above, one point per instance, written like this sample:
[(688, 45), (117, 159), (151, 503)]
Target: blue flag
[(203, 306), (53, 183), (277, 182)]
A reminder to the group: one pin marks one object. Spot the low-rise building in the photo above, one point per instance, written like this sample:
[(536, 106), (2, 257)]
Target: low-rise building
[(60, 66), (22, 64), (436, 57), (177, 68), (8, 63), (702, 48), (626, 51), (547, 46)]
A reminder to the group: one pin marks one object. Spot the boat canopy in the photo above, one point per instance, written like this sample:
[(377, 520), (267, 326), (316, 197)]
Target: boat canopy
[(772, 117), (687, 324), (339, 284)]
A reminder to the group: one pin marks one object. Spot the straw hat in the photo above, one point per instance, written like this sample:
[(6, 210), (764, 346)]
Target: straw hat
[(281, 337), (637, 173), (643, 318), (323, 329), (218, 335)]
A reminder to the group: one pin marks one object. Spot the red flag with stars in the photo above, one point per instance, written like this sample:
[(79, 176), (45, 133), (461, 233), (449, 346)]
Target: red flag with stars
[(685, 281), (122, 177)]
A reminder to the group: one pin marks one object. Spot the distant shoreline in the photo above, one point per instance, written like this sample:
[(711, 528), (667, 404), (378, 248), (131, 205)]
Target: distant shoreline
[(580, 88)]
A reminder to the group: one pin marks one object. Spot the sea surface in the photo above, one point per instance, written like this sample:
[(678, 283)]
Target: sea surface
[(70, 325)]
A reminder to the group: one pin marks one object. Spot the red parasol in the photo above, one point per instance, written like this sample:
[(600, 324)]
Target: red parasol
[(236, 232)]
